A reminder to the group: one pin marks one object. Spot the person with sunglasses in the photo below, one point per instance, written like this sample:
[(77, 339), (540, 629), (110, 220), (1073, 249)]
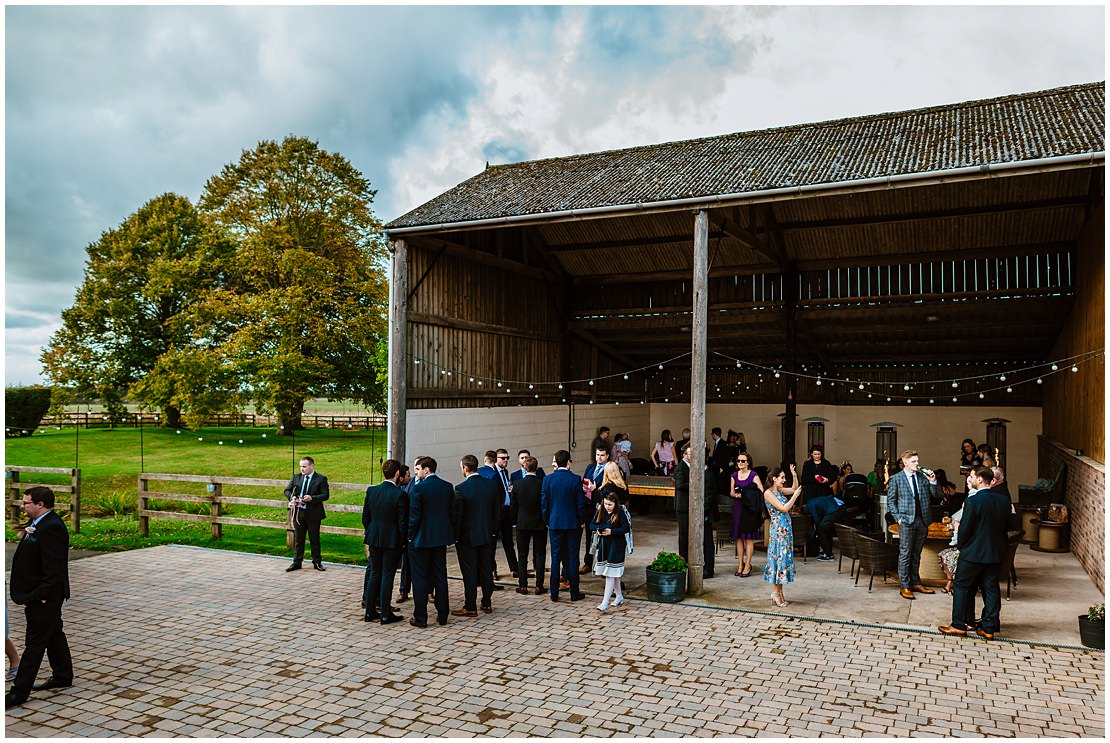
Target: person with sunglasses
[(747, 512)]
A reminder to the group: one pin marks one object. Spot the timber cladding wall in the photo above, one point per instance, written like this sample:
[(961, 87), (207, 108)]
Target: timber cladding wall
[(1074, 404), (1085, 497), (469, 318)]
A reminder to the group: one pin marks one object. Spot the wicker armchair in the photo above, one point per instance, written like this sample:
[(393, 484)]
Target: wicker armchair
[(875, 556), (846, 545), (801, 526)]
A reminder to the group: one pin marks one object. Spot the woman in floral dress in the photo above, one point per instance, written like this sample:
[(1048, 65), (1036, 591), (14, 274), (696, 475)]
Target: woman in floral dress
[(780, 552)]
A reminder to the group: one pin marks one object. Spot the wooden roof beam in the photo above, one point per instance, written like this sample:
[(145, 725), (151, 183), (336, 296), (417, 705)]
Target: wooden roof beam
[(487, 259), (969, 211)]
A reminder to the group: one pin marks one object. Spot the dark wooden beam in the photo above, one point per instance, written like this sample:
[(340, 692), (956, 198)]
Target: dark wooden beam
[(488, 259), (939, 256), (423, 318), (635, 242), (629, 276), (970, 211)]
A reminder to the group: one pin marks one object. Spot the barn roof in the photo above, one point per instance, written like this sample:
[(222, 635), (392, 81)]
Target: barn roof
[(1011, 129)]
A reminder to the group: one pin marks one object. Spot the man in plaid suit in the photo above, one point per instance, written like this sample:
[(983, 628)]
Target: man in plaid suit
[(907, 500)]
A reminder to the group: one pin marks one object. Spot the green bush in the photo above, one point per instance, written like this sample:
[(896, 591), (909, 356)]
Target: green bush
[(24, 409), (668, 562), (107, 503)]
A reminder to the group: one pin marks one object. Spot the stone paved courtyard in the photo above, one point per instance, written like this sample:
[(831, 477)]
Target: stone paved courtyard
[(175, 641)]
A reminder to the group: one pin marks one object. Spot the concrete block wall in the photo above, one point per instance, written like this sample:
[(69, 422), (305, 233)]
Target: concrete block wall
[(1085, 497), (934, 432), (448, 434)]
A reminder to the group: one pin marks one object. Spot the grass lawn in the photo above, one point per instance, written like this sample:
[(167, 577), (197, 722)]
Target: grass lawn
[(110, 463)]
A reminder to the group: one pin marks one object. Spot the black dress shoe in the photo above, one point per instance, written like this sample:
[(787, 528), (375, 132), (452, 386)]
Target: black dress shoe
[(294, 566), (11, 700), (577, 597), (53, 683), (486, 609), (371, 616), (554, 597), (522, 589), (417, 623), (317, 566), (391, 618), (540, 590), (441, 621)]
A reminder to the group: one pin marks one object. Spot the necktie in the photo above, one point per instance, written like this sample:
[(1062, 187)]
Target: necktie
[(304, 485), (913, 483), (505, 484)]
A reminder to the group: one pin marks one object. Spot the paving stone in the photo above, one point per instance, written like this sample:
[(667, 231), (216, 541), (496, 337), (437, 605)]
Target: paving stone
[(285, 661)]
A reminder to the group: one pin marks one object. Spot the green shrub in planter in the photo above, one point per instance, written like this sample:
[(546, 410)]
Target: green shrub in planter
[(666, 578)]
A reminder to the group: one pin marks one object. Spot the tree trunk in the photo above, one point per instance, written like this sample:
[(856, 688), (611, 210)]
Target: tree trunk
[(171, 417), (290, 420)]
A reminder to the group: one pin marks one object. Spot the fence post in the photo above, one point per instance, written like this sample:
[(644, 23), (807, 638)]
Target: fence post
[(144, 521), (15, 496), (217, 528), (75, 501)]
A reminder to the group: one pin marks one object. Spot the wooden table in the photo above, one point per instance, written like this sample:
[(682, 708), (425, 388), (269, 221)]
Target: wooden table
[(931, 570), (662, 487)]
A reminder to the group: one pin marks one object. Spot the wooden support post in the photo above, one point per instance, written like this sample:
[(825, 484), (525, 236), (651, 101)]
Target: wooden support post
[(144, 521), (75, 501), (217, 528), (698, 330), (15, 495), (398, 356)]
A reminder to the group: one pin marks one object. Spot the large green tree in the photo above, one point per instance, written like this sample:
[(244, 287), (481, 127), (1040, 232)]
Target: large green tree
[(127, 314), (303, 309)]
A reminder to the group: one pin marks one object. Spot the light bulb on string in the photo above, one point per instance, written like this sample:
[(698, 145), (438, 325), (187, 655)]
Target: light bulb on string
[(776, 375), (531, 387), (1009, 389), (591, 383), (626, 376), (472, 379), (981, 395), (498, 384), (660, 367), (1002, 378), (1074, 368), (861, 385), (953, 399), (1040, 381), (906, 387), (1054, 367), (955, 384)]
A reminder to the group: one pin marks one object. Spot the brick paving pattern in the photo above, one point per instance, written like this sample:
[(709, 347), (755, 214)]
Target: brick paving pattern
[(173, 641)]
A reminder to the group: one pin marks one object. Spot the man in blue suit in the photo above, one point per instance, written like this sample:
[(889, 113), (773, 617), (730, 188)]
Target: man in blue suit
[(477, 519), (564, 507), (594, 473), (521, 456), (429, 531), (385, 518)]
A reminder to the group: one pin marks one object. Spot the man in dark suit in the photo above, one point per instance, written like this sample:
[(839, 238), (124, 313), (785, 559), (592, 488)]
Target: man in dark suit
[(40, 583), (477, 518), (429, 532), (682, 510), (528, 518), (825, 510), (385, 518), (907, 499), (982, 542), (564, 507), (406, 482), (306, 494), (505, 525), (521, 456), (489, 469), (720, 460), (595, 473)]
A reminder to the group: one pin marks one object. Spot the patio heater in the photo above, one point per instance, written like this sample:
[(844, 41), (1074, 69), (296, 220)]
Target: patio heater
[(996, 439), (788, 453), (886, 449), (815, 432)]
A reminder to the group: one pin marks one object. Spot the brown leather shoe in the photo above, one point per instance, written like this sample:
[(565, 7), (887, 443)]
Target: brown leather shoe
[(923, 589), (906, 594), (540, 590), (950, 630), (402, 597), (522, 590), (417, 623), (583, 570), (488, 609), (985, 635), (565, 585), (464, 613)]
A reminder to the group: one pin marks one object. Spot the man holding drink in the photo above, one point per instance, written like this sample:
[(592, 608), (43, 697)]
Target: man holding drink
[(907, 500)]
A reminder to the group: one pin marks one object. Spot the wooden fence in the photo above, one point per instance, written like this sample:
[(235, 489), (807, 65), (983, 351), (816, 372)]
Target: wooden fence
[(16, 487), (132, 420), (216, 499)]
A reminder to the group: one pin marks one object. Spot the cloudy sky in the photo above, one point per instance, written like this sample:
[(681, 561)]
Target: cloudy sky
[(108, 107)]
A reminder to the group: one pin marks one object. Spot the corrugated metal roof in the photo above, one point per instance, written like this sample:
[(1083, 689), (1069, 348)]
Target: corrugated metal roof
[(1029, 126)]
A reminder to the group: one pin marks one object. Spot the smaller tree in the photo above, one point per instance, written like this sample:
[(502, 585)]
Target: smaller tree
[(24, 408)]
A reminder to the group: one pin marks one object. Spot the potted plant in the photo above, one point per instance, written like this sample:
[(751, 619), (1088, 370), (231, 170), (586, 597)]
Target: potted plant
[(1092, 627), (666, 578)]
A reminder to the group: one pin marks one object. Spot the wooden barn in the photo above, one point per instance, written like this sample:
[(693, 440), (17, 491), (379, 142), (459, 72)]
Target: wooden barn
[(920, 273)]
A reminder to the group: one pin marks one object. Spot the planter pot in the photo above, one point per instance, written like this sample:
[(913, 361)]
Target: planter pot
[(668, 588), (1092, 634)]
